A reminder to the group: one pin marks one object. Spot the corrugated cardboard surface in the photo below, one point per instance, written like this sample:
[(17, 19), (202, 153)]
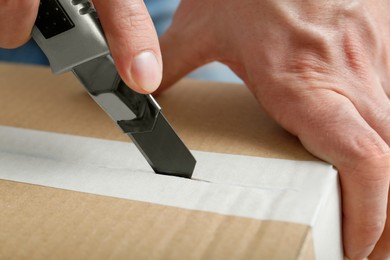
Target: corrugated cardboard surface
[(40, 222)]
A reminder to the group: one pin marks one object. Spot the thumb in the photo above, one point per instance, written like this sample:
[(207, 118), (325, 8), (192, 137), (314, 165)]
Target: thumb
[(133, 42)]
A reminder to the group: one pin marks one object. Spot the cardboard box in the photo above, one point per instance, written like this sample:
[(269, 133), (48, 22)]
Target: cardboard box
[(39, 222)]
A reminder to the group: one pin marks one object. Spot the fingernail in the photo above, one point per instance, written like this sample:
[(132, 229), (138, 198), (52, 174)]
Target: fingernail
[(146, 71)]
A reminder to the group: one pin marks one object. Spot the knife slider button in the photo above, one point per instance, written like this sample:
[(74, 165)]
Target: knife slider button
[(52, 19)]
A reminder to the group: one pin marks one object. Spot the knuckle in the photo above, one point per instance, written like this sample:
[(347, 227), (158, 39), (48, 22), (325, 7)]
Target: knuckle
[(306, 64), (355, 55), (137, 18), (135, 24), (367, 152), (314, 58)]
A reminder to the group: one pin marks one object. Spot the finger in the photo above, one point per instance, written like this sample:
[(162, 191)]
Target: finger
[(375, 108), (133, 42), (363, 193), (329, 126), (382, 248), (17, 19), (363, 161)]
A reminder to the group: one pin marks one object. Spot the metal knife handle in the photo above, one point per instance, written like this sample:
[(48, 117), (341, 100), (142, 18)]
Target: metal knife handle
[(132, 111), (69, 33)]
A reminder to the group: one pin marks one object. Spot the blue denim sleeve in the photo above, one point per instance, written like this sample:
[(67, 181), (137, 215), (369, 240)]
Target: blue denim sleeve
[(29, 53)]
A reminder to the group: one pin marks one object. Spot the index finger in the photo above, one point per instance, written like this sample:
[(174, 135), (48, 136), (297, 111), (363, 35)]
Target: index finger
[(364, 189), (329, 125), (133, 42)]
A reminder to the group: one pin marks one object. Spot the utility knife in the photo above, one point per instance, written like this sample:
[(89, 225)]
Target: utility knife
[(71, 36)]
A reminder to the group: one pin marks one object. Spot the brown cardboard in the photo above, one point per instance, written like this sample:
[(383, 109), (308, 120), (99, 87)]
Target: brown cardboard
[(39, 222)]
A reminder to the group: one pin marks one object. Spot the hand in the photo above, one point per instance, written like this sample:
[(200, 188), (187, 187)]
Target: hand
[(128, 27), (322, 70)]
